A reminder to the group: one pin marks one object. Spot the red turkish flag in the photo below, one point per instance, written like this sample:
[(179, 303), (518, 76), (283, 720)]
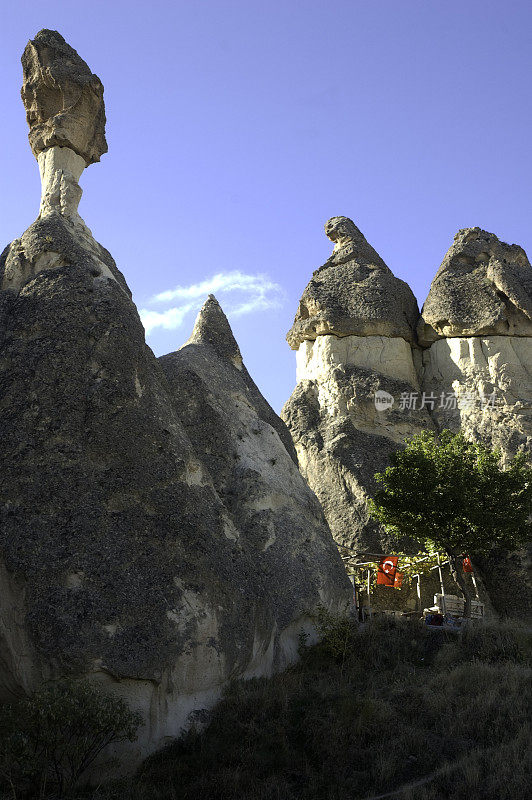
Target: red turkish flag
[(467, 566), (386, 571)]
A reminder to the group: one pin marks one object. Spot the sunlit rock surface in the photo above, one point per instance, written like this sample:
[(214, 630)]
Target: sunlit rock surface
[(353, 332), (477, 330), (353, 293), (364, 384), (483, 287), (130, 553), (63, 98)]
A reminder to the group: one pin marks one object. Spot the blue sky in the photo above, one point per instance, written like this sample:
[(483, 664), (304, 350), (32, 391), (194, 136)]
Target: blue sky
[(236, 129)]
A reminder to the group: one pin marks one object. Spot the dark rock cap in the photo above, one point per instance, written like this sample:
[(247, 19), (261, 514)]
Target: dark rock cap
[(353, 293), (62, 97), (483, 287)]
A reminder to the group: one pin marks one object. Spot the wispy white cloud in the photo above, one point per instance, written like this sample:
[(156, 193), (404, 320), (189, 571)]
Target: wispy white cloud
[(238, 292), (170, 319)]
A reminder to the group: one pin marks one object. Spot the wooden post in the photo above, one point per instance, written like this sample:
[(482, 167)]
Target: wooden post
[(355, 599), (369, 594), (475, 585), (418, 592), (441, 584)]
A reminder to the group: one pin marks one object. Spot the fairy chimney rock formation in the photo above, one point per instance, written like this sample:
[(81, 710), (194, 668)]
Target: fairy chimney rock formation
[(63, 98), (476, 327), (213, 334), (353, 332), (144, 544), (247, 449)]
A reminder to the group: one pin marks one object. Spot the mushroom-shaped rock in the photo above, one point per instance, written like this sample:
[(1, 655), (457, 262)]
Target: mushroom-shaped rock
[(63, 98), (476, 326), (66, 114), (353, 293), (483, 287), (353, 334)]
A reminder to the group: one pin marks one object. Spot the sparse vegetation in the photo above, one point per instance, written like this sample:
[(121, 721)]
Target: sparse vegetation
[(420, 714), (48, 740)]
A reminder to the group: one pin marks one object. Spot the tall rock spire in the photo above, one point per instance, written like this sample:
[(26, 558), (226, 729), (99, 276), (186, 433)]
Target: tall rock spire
[(65, 112), (212, 332), (476, 328), (354, 333), (241, 442), (212, 328), (119, 556)]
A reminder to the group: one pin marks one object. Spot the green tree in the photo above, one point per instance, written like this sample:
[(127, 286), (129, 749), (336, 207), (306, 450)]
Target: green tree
[(456, 494), (49, 739)]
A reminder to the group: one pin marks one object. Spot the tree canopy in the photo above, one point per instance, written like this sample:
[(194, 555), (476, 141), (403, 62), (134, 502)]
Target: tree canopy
[(457, 495)]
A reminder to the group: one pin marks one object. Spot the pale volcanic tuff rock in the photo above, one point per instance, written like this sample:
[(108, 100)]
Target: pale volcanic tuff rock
[(353, 333), (475, 333), (120, 559), (66, 115), (477, 326), (243, 444), (342, 440)]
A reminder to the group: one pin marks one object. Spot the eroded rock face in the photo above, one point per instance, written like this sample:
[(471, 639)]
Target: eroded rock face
[(473, 373), (353, 293), (63, 98), (486, 383), (129, 555), (105, 510), (242, 443), (354, 345), (66, 114), (477, 329)]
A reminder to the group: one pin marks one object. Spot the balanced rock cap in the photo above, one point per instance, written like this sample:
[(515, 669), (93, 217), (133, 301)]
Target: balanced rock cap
[(63, 98), (354, 293), (483, 287)]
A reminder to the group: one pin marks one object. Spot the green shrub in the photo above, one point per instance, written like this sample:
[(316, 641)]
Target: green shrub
[(336, 633), (48, 740)]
